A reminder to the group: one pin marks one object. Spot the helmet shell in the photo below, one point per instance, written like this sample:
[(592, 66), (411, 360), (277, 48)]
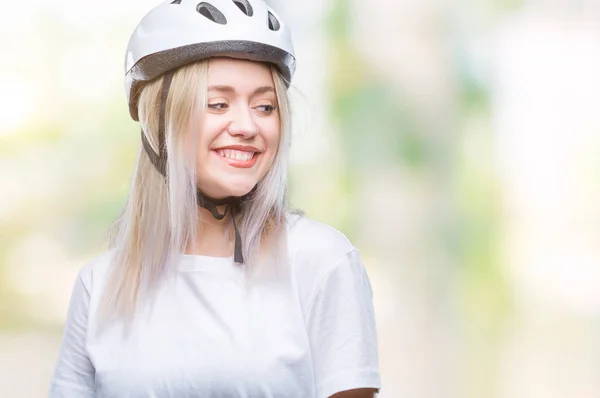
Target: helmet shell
[(176, 33)]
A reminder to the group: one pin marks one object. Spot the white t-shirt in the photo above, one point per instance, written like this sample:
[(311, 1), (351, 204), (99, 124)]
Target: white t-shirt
[(310, 332)]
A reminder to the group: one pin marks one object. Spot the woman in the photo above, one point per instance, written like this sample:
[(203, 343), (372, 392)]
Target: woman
[(213, 287)]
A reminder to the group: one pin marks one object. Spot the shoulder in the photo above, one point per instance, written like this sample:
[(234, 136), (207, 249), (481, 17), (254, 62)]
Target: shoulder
[(316, 240), (316, 250), (95, 271)]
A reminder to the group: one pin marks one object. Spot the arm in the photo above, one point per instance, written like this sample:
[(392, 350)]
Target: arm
[(74, 374), (342, 333), (357, 393)]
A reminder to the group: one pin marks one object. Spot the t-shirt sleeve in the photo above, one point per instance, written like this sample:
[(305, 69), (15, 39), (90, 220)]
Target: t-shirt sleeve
[(74, 374), (341, 328)]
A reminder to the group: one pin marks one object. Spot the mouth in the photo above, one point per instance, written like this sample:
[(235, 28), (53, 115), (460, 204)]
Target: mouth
[(241, 158)]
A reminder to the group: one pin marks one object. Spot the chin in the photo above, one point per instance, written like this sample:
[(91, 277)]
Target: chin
[(237, 189), (239, 192)]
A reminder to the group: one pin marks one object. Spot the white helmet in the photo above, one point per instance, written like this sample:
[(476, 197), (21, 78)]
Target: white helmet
[(179, 32)]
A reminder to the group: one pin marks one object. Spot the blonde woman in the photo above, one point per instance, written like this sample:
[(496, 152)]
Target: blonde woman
[(213, 287)]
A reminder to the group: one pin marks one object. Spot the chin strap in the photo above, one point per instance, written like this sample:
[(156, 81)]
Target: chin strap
[(232, 203), (160, 163)]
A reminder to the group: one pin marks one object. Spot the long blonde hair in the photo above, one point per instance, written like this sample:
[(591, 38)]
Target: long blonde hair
[(160, 216)]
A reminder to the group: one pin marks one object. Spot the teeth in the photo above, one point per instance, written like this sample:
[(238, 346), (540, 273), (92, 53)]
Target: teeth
[(237, 155)]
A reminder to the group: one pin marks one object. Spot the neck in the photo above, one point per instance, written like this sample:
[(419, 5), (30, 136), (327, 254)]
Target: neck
[(211, 234)]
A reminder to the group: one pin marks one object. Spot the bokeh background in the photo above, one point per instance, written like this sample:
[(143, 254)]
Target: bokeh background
[(456, 143)]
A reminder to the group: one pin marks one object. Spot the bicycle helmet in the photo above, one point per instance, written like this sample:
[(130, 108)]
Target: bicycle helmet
[(179, 32)]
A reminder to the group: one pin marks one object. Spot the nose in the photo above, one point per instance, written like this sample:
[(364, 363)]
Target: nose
[(243, 123)]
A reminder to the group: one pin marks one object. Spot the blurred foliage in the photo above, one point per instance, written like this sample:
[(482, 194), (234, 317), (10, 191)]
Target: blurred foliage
[(380, 130)]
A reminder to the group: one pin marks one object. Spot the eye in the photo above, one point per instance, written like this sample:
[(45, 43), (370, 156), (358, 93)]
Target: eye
[(218, 106), (266, 109)]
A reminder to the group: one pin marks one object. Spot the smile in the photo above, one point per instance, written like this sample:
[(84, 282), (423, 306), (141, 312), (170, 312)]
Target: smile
[(235, 154), (237, 158)]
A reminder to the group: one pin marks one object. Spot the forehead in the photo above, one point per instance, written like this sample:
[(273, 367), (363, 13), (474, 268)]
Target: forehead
[(242, 75)]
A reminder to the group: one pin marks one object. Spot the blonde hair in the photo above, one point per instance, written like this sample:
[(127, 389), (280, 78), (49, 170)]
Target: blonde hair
[(160, 217)]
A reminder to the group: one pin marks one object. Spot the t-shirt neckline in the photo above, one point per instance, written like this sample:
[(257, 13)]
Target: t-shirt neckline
[(196, 262)]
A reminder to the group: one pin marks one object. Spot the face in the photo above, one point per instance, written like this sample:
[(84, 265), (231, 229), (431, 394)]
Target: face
[(239, 132)]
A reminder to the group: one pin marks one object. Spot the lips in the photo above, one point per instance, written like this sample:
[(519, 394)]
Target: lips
[(240, 156)]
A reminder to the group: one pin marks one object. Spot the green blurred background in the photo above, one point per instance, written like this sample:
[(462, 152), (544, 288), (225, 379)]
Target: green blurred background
[(455, 143)]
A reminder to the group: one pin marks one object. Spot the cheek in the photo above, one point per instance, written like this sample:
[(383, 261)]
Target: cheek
[(208, 131), (210, 128), (271, 135), (205, 134)]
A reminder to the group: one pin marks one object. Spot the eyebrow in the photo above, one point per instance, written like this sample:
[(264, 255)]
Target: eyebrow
[(229, 89)]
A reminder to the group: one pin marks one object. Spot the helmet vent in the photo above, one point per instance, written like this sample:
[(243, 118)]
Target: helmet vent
[(244, 6), (176, 2), (273, 22), (211, 12)]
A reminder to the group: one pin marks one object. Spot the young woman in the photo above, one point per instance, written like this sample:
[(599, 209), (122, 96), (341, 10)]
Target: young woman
[(213, 287)]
